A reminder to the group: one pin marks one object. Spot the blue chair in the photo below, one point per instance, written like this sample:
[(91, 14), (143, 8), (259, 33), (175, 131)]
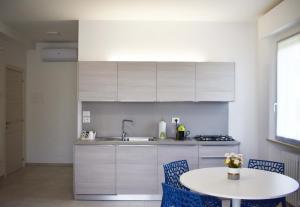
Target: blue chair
[(266, 165), (175, 197), (271, 166), (174, 170)]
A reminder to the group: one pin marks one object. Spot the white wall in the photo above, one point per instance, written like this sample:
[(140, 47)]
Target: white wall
[(280, 18), (185, 41), (14, 36), (14, 54), (267, 93), (279, 23), (51, 109)]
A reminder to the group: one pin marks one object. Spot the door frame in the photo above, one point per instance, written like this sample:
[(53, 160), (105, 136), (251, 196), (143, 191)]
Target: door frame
[(22, 71)]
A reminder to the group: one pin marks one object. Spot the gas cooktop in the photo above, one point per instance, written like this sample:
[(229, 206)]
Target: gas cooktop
[(213, 138)]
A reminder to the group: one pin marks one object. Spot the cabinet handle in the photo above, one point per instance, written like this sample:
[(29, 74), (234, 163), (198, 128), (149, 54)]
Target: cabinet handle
[(218, 145), (189, 145), (136, 145)]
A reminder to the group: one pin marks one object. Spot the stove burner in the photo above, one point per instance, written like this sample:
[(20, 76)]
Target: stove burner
[(213, 138)]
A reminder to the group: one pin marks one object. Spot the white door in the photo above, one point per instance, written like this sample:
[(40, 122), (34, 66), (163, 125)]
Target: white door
[(14, 120)]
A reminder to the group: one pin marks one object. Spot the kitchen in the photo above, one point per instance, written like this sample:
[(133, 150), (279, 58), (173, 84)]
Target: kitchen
[(113, 91), (136, 161)]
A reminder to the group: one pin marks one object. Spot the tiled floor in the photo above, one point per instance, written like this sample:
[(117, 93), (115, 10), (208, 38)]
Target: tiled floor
[(49, 186)]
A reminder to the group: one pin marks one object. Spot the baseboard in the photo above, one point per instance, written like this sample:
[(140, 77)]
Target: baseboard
[(50, 164), (123, 197)]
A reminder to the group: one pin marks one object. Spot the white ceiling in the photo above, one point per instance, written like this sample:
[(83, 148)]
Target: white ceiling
[(35, 17)]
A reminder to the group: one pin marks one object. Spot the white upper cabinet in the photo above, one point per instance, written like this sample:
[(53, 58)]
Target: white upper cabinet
[(137, 81), (97, 81), (215, 81), (151, 82), (175, 82)]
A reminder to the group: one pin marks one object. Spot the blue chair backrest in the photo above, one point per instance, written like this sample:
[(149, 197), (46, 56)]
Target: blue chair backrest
[(173, 171), (175, 197), (267, 165)]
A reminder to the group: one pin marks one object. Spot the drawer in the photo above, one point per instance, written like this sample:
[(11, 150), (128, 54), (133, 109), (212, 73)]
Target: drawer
[(213, 156), (219, 151), (211, 162)]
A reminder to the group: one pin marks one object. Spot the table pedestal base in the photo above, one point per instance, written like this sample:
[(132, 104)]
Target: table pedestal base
[(236, 202)]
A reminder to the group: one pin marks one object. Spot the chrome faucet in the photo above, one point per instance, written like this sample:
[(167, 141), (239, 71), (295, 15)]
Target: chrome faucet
[(123, 126)]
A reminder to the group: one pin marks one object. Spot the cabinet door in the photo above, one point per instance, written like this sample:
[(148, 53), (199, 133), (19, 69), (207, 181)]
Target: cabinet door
[(170, 153), (213, 156), (215, 82), (137, 169), (176, 81), (97, 81), (137, 81), (94, 169)]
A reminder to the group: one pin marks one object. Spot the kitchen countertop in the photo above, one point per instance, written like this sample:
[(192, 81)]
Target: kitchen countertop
[(169, 141)]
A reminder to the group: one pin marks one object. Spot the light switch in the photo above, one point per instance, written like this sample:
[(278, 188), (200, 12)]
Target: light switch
[(86, 113), (86, 117), (86, 120)]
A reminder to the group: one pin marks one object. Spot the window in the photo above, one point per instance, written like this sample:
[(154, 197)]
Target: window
[(288, 89)]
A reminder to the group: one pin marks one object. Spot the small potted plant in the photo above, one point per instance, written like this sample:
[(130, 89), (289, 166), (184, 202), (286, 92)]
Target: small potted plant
[(234, 163)]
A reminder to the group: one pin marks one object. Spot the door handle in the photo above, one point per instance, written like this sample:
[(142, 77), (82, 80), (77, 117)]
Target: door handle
[(7, 123)]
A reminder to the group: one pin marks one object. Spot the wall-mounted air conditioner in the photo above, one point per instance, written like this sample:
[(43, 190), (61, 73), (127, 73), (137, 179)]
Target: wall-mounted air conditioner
[(59, 54)]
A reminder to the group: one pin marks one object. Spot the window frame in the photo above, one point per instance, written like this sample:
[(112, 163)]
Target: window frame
[(279, 138)]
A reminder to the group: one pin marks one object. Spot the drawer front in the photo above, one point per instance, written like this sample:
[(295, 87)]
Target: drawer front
[(170, 153), (213, 156), (205, 162), (217, 150)]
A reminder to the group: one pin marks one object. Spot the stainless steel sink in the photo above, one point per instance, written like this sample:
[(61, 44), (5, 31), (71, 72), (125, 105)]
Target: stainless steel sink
[(129, 139), (139, 139)]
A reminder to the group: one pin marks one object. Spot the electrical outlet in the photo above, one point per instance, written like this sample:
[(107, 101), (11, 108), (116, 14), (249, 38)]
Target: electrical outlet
[(174, 120)]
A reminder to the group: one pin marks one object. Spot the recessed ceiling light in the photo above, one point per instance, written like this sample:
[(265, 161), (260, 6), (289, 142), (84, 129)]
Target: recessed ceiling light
[(53, 33)]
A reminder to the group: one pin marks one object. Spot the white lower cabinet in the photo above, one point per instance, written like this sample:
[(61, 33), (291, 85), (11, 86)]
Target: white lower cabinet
[(213, 156), (137, 169), (94, 169), (170, 153)]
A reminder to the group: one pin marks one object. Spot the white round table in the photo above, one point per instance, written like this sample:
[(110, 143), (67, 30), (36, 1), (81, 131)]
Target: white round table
[(253, 184)]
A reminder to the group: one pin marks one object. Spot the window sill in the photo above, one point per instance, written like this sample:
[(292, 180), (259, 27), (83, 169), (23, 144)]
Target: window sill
[(294, 146)]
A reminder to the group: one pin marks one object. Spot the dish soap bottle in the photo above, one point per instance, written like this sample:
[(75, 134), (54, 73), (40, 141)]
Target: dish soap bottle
[(162, 130)]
